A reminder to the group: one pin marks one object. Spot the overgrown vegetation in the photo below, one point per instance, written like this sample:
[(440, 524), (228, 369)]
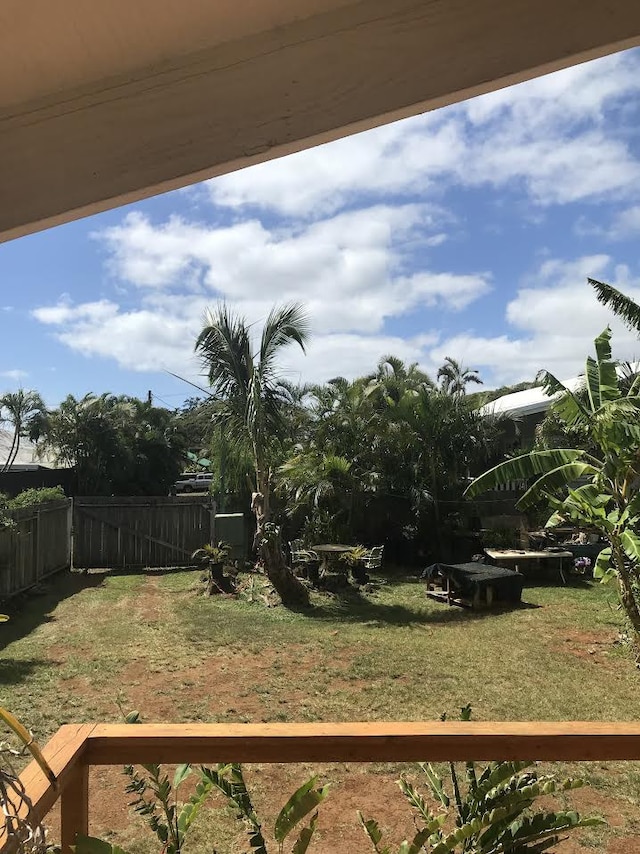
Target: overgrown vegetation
[(387, 452), (489, 813), (609, 500), (118, 445)]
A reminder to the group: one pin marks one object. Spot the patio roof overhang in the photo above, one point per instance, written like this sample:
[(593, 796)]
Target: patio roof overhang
[(107, 103)]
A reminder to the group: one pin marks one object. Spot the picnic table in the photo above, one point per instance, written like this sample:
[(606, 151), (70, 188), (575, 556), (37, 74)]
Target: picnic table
[(550, 563), (329, 554), (473, 585)]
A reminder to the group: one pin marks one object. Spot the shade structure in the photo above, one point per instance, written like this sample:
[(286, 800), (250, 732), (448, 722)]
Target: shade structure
[(107, 103)]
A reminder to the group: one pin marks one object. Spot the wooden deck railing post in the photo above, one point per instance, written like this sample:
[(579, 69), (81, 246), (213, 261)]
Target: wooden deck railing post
[(74, 808)]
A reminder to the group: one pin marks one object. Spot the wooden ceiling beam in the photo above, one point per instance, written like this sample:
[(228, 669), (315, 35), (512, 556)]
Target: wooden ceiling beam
[(122, 139)]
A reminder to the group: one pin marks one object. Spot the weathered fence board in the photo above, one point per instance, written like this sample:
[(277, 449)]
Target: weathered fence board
[(164, 531), (37, 546)]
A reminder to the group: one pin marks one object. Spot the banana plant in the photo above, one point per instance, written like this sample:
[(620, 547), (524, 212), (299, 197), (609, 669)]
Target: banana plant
[(598, 490), (490, 808)]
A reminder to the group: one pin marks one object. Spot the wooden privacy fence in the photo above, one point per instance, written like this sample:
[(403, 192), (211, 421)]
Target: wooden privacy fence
[(38, 545), (165, 531), (74, 748)]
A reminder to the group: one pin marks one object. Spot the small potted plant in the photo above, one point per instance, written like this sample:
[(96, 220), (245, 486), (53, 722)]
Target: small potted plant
[(213, 558), (354, 559)]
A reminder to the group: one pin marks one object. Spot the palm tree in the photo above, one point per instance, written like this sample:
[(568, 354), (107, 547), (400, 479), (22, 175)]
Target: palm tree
[(621, 305), (455, 377), (393, 379), (21, 406), (251, 399)]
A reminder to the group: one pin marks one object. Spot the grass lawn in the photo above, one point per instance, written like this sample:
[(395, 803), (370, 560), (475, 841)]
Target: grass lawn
[(149, 642)]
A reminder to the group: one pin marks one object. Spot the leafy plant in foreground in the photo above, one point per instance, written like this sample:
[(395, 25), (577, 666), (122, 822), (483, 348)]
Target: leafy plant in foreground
[(491, 811), (155, 799)]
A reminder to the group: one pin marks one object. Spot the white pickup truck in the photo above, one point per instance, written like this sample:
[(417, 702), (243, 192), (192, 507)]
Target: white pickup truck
[(192, 481)]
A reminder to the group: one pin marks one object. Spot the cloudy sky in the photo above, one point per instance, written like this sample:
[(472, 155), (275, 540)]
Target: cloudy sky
[(466, 232)]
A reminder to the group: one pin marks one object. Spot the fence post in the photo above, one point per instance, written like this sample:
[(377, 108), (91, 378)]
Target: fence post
[(70, 532), (38, 544), (74, 808)]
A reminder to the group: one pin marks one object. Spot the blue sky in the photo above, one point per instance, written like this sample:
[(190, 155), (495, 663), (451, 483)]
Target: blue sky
[(466, 232)]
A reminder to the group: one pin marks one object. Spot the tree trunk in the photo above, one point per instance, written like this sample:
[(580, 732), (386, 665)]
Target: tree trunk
[(627, 594), (289, 588), (267, 543)]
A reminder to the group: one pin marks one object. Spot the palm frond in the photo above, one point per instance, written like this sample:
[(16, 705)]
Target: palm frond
[(225, 350), (287, 324), (621, 305)]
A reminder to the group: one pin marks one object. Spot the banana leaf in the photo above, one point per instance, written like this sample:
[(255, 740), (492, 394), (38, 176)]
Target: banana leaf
[(608, 388), (567, 405), (554, 480), (522, 468), (631, 545)]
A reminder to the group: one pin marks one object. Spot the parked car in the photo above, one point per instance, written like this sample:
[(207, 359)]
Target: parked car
[(192, 481)]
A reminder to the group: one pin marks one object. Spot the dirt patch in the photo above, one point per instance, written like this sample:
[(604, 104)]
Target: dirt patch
[(149, 601), (592, 646)]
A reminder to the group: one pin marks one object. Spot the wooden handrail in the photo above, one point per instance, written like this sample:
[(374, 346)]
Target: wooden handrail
[(76, 747), (64, 753), (115, 744)]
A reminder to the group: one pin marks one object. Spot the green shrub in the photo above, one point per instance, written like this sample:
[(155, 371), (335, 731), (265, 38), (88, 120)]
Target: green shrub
[(38, 495), (492, 810)]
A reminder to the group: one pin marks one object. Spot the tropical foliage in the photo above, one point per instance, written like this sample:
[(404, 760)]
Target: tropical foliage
[(156, 800), (19, 408), (491, 811), (117, 444), (387, 451), (621, 305), (454, 377), (596, 488), (250, 399)]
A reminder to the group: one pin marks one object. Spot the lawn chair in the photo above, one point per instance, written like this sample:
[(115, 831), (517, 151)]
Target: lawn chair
[(305, 559), (373, 558)]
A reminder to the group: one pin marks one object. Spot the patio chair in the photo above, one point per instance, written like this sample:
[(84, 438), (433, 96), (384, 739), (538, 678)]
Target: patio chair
[(306, 561), (373, 558)]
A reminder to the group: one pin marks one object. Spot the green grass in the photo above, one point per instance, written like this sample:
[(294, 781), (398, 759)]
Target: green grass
[(150, 642)]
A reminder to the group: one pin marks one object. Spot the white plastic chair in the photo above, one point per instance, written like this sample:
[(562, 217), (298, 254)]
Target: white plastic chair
[(373, 558)]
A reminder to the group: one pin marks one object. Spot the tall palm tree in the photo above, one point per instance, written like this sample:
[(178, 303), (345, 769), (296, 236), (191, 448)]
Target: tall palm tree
[(455, 377), (21, 407), (251, 398), (393, 379), (621, 305)]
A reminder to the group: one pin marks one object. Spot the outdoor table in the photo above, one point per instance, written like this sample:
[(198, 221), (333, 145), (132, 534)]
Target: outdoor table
[(526, 561), (329, 554), (473, 585)]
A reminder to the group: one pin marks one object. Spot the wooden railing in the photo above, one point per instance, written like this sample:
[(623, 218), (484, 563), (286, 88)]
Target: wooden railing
[(74, 748)]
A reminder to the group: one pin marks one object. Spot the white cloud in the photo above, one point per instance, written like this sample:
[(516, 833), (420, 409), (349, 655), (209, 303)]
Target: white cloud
[(16, 375), (554, 322), (549, 137), (353, 272)]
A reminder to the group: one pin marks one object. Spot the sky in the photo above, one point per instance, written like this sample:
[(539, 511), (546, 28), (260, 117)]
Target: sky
[(467, 232)]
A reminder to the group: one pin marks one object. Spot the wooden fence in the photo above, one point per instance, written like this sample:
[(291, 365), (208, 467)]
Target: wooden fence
[(116, 532), (37, 546)]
